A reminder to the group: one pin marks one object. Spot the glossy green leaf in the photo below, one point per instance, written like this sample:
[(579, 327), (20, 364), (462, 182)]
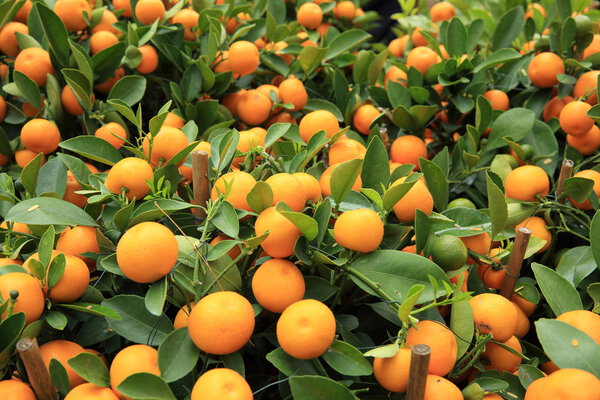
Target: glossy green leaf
[(177, 355), (49, 211), (347, 359), (94, 148), (558, 292), (91, 368)]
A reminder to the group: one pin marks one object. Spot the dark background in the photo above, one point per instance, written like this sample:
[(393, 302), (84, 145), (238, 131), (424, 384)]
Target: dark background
[(385, 8)]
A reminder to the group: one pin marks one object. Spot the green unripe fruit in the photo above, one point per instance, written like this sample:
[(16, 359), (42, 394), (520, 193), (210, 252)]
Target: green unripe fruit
[(449, 252)]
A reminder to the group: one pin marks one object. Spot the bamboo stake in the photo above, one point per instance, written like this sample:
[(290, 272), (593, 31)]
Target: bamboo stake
[(38, 375), (513, 268), (566, 170), (200, 181), (419, 368)]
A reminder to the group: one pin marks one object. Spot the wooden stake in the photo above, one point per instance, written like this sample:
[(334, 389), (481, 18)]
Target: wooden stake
[(419, 368), (566, 170), (513, 268), (200, 181), (38, 375)]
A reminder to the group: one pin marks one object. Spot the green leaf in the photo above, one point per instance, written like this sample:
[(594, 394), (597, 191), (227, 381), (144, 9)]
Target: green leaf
[(148, 211), (130, 89), (346, 41), (29, 174), (125, 110), (56, 33), (456, 42), (501, 56), (436, 181), (515, 123), (91, 308), (10, 333), (595, 237), (49, 211), (375, 173), (508, 29), (177, 355), (461, 323), (497, 206), (260, 197), (407, 305), (83, 62), (315, 104), (28, 88), (80, 86), (137, 324), (343, 178), (52, 178), (567, 346), (387, 351), (93, 148), (226, 220), (395, 272), (307, 225), (56, 270), (347, 360), (156, 296), (316, 387), (528, 373), (59, 377), (91, 368), (310, 58), (558, 292), (395, 193), (578, 188), (56, 320), (593, 291), (576, 264), (145, 386)]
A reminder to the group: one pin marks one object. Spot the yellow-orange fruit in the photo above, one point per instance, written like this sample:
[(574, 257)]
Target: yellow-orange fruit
[(278, 283)]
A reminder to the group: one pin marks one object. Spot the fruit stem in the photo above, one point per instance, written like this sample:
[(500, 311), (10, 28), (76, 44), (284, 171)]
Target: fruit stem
[(374, 286)]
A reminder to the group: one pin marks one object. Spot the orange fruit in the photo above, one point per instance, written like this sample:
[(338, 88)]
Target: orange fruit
[(15, 390), (31, 297), (147, 252), (243, 57), (148, 11), (417, 198), (132, 360), (555, 106), (534, 388), (544, 69), (72, 186), (493, 396), (253, 107), (365, 239), (526, 183), (310, 186), (108, 132), (530, 14), (419, 40), (344, 10), (10, 261), (182, 318), (288, 189), (346, 150), (124, 5), (3, 111), (438, 388), (89, 391), (364, 117), (586, 321), (306, 329), (569, 384), (77, 240), (174, 120), (107, 21), (71, 13), (40, 135), (392, 372), (440, 340), (587, 143), (527, 306), (408, 149), (62, 351), (235, 250), (494, 314), (523, 323), (592, 48), (189, 19), (498, 99), (595, 177), (23, 157), (222, 384), (8, 38), (35, 63), (397, 46), (282, 235), (235, 186), (292, 90), (538, 229), (165, 145), (102, 40), (574, 120), (316, 121), (500, 359), (149, 61), (325, 181), (309, 15), (422, 58), (221, 323), (278, 283), (69, 101), (586, 86), (129, 175), (105, 86), (442, 11)]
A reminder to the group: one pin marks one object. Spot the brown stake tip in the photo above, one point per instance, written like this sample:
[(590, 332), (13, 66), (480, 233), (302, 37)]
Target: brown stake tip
[(525, 231), (421, 350), (24, 344), (568, 163)]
